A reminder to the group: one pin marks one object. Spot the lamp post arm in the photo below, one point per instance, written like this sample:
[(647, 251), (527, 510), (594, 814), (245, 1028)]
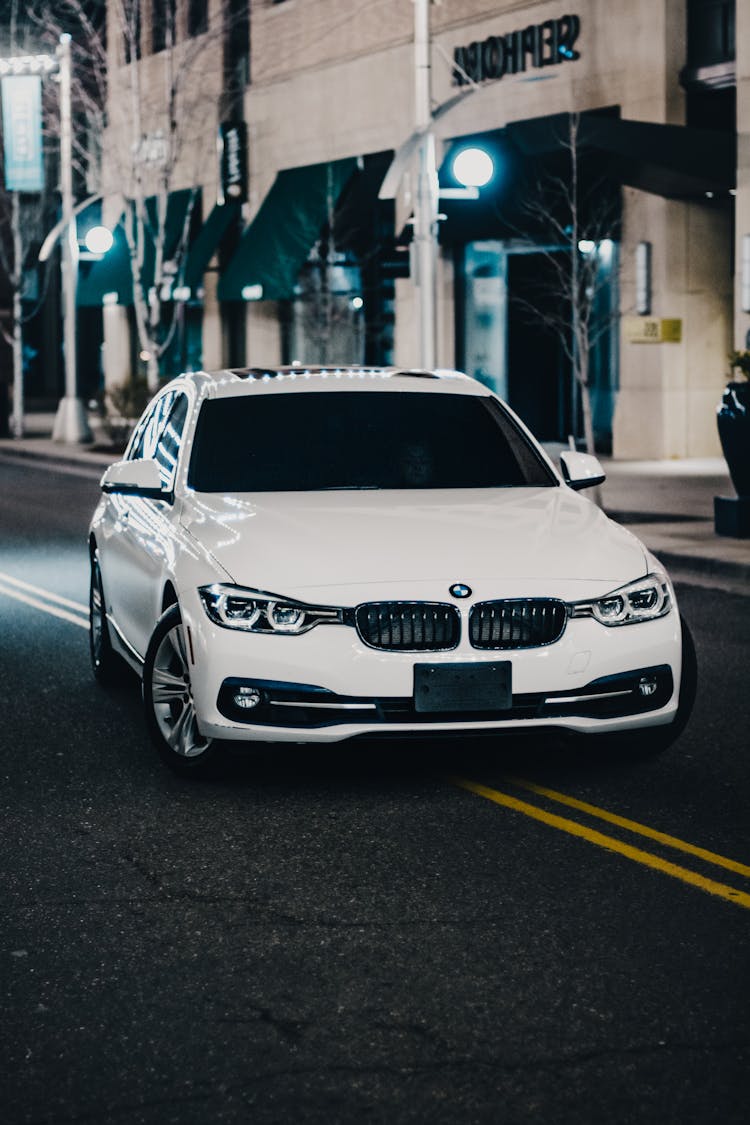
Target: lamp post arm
[(54, 235), (407, 150)]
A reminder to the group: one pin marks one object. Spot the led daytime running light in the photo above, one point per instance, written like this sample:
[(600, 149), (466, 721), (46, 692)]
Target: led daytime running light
[(255, 611), (643, 600)]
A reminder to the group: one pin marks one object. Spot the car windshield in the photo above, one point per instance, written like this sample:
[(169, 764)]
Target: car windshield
[(306, 441)]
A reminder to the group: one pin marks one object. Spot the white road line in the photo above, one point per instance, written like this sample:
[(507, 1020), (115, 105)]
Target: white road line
[(8, 579), (53, 609)]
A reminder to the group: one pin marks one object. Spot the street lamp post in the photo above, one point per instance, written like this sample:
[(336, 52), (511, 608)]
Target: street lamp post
[(426, 203), (70, 422), (421, 143)]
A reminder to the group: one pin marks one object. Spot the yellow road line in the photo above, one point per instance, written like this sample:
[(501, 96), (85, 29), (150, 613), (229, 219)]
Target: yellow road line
[(9, 579), (633, 826), (721, 890), (56, 611)]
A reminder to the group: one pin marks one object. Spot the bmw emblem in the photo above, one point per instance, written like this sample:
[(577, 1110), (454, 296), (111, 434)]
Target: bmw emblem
[(460, 591)]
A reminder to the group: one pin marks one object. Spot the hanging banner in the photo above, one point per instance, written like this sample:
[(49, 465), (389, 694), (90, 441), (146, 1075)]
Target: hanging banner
[(22, 132)]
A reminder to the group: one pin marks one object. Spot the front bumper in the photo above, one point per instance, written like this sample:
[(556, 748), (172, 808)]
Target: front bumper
[(372, 691)]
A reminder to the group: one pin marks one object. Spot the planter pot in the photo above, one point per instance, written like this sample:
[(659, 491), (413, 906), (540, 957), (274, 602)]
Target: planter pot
[(734, 432)]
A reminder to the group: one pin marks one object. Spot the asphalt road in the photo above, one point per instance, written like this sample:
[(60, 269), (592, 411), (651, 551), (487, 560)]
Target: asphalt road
[(347, 935)]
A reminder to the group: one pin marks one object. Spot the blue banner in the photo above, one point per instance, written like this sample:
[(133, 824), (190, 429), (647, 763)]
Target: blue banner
[(22, 132)]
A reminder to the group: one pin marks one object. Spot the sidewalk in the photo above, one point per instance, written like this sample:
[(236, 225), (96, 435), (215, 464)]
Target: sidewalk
[(37, 442), (667, 504)]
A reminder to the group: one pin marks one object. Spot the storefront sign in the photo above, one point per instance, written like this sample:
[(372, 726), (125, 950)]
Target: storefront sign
[(22, 132), (541, 44), (233, 161), (652, 330)]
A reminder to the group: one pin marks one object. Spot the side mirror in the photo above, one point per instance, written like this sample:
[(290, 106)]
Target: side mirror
[(581, 470), (135, 478)]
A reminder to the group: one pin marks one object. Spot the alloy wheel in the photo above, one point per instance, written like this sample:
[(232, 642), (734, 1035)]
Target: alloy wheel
[(172, 696)]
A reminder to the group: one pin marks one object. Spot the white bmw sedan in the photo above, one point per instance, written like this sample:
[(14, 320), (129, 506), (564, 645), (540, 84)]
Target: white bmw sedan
[(311, 555)]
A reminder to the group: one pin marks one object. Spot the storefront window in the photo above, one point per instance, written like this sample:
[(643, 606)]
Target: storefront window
[(325, 322), (163, 13), (711, 32), (513, 321)]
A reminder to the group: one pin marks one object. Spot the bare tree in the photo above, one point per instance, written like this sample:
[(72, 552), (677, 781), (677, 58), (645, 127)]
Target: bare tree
[(573, 218), (149, 95), (330, 326)]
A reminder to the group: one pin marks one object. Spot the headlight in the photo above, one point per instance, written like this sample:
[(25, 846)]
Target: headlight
[(253, 611), (643, 600)]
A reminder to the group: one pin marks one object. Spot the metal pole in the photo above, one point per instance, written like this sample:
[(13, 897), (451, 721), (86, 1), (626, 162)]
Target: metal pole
[(426, 203), (70, 422), (17, 423)]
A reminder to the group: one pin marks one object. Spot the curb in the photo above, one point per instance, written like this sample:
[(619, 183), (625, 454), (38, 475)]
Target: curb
[(94, 461), (708, 568)]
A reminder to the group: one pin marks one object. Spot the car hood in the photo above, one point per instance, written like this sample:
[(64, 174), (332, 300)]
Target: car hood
[(522, 538)]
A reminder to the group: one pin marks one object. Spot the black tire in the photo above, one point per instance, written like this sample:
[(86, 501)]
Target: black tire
[(105, 663), (649, 742), (167, 699)]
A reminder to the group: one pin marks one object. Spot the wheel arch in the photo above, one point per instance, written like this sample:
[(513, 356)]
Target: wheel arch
[(169, 596)]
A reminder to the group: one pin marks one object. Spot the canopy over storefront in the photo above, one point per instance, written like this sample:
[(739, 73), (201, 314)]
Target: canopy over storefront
[(533, 172), (277, 243), (207, 241), (112, 273)]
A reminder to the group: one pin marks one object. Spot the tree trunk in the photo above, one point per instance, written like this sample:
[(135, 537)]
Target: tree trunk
[(588, 417)]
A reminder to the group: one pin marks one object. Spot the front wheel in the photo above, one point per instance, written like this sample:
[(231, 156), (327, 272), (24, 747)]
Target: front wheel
[(168, 701)]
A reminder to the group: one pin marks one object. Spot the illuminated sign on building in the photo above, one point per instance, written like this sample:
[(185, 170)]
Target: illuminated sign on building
[(541, 44), (233, 161)]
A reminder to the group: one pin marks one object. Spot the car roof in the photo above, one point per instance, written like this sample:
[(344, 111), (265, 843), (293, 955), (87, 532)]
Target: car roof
[(238, 381)]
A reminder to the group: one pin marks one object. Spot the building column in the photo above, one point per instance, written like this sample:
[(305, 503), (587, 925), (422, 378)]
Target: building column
[(666, 405), (117, 348), (742, 200), (212, 344), (264, 335)]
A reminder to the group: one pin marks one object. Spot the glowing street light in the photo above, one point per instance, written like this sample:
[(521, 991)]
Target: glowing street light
[(473, 167), (99, 240)]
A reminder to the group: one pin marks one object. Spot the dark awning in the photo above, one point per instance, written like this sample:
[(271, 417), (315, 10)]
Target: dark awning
[(109, 274), (360, 215), (275, 246), (112, 272), (205, 245), (676, 161), (532, 160), (182, 217)]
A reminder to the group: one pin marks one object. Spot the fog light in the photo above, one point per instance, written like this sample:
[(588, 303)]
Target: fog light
[(647, 685), (247, 698)]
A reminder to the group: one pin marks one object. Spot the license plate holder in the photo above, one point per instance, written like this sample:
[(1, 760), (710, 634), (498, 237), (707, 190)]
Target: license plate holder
[(463, 687)]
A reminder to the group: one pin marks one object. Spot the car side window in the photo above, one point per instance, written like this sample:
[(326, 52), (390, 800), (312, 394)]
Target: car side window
[(149, 429), (168, 446)]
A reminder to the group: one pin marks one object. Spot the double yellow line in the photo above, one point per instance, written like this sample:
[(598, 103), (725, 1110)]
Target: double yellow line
[(55, 604), (611, 843)]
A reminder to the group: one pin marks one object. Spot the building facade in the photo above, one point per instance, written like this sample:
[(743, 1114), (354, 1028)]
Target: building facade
[(644, 106)]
